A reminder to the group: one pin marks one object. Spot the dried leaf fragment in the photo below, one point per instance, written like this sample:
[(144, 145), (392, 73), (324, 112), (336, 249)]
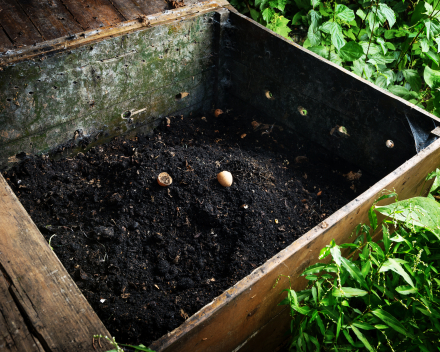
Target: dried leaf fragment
[(353, 176), (183, 314), (255, 124), (243, 135)]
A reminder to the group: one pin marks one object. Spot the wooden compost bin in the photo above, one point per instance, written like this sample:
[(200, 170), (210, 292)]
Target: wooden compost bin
[(126, 76)]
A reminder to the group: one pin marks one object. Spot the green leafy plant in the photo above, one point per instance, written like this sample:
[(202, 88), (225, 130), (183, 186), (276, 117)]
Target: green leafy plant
[(117, 347), (391, 43), (386, 295)]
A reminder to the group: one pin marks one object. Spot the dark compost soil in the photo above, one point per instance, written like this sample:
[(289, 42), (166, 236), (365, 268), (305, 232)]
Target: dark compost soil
[(146, 257)]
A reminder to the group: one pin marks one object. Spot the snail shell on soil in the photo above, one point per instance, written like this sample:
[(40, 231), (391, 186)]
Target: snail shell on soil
[(225, 178), (164, 179)]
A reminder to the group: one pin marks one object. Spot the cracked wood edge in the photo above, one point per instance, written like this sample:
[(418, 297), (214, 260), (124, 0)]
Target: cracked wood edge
[(243, 318), (68, 42), (51, 304)]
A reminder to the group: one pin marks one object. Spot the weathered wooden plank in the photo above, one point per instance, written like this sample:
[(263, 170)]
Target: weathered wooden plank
[(127, 8), (14, 334), (150, 7), (5, 43), (93, 14), (50, 17), (41, 287), (17, 24), (235, 318)]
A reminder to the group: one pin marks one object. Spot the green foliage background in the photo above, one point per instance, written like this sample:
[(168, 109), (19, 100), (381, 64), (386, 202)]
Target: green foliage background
[(394, 44)]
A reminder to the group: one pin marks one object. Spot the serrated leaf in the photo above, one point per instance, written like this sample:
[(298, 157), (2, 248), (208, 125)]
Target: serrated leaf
[(344, 13), (388, 13), (351, 51), (371, 48), (432, 77), (254, 14), (315, 3), (381, 59), (391, 321), (413, 78), (433, 56), (320, 50), (424, 44), (381, 42), (348, 292), (335, 31), (399, 91), (361, 14), (268, 14)]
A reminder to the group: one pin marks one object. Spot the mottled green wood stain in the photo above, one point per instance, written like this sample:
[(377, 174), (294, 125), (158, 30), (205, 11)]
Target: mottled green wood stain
[(44, 101)]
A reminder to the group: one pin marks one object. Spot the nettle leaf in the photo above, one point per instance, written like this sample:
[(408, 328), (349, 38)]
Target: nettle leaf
[(348, 292), (413, 78), (433, 56), (381, 81), (344, 13), (432, 28), (381, 59), (314, 36), (254, 14), (268, 14), (424, 43), (382, 44), (363, 69), (351, 51), (373, 21), (388, 13), (371, 48), (279, 25), (336, 34), (361, 14), (315, 3), (320, 50), (401, 92), (432, 77)]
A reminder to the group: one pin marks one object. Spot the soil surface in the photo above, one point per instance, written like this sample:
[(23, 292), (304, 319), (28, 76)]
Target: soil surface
[(147, 257)]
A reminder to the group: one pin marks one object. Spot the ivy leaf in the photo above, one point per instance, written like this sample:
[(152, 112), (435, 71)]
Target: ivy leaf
[(351, 51), (268, 14), (336, 34), (413, 78), (344, 13), (388, 13), (432, 77)]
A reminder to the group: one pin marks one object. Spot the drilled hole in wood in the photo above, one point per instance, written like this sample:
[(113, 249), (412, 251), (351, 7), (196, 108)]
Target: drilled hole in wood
[(181, 95), (75, 82), (8, 99), (126, 114), (55, 87), (31, 92), (268, 94)]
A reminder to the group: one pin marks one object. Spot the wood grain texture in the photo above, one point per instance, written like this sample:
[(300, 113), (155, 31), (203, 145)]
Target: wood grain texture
[(5, 43), (50, 17), (17, 24), (54, 308), (93, 13), (241, 319), (150, 7), (127, 8), (14, 334)]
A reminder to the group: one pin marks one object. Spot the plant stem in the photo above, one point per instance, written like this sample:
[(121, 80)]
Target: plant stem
[(360, 28), (372, 31)]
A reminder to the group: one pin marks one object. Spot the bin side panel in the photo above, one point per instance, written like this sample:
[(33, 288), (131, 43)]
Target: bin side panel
[(242, 318), (102, 87), (316, 98)]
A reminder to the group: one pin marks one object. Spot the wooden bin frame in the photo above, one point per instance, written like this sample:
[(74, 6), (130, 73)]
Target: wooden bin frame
[(43, 310)]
